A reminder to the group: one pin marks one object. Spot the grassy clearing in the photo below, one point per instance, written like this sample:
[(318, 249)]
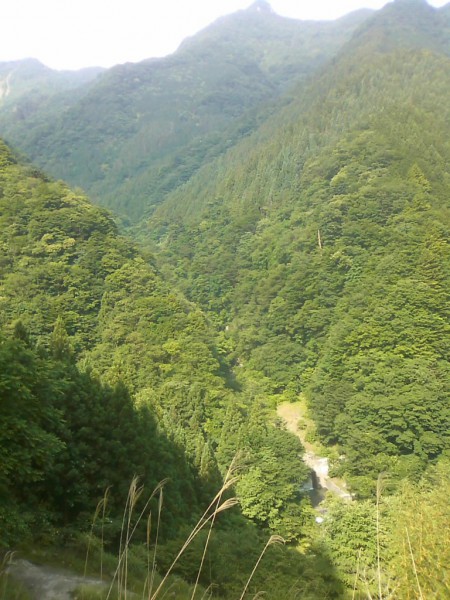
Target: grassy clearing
[(296, 417)]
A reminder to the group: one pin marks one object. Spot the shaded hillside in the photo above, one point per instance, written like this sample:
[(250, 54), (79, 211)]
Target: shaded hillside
[(312, 257), (144, 129), (321, 245), (108, 371), (63, 260)]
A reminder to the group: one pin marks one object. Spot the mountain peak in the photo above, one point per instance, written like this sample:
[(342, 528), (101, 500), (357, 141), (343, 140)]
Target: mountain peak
[(411, 2), (260, 6)]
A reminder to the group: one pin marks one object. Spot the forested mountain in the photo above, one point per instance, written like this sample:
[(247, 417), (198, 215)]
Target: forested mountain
[(108, 372), (26, 84), (321, 245), (141, 130), (294, 179)]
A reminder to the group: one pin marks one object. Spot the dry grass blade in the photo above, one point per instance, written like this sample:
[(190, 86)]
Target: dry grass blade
[(135, 494), (380, 482), (274, 539), (147, 544), (105, 503), (118, 572), (119, 567), (201, 523), (208, 590), (171, 586), (152, 578), (7, 560), (356, 574), (219, 508), (259, 595), (99, 508), (414, 564), (229, 503)]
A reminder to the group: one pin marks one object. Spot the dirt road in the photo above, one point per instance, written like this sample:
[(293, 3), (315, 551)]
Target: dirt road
[(48, 583)]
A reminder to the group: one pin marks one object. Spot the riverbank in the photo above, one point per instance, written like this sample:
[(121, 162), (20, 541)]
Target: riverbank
[(295, 418)]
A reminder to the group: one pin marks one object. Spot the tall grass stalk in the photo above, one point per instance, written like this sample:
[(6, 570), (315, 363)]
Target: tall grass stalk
[(130, 534), (219, 499), (7, 559), (105, 502), (158, 522), (91, 533), (121, 544), (202, 522), (411, 553), (207, 591), (135, 493), (378, 536), (380, 487), (147, 545), (356, 574), (274, 539)]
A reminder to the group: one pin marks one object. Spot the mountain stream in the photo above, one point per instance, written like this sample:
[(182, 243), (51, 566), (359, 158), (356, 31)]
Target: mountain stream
[(292, 414)]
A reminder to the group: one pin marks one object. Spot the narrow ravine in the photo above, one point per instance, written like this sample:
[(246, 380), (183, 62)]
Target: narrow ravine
[(292, 414)]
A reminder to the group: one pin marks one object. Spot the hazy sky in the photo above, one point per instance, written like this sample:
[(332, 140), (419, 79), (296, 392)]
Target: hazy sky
[(70, 34)]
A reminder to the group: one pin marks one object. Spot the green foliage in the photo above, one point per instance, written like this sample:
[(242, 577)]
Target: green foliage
[(400, 547), (139, 131), (325, 258), (109, 373), (29, 418), (65, 438), (269, 489), (350, 533), (301, 248), (419, 536)]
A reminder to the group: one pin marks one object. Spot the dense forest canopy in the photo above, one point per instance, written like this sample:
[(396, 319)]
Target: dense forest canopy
[(108, 372), (322, 246), (288, 186)]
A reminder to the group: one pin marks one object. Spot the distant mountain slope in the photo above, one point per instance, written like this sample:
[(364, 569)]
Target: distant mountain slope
[(406, 24), (21, 79), (144, 129), (320, 244)]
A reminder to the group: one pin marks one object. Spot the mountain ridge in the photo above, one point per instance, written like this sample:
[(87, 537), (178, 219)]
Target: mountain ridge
[(145, 128), (20, 78)]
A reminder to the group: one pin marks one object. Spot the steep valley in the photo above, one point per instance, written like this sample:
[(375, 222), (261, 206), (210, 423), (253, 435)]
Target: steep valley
[(269, 222)]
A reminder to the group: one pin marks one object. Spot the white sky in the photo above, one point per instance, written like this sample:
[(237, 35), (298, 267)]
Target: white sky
[(71, 34)]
